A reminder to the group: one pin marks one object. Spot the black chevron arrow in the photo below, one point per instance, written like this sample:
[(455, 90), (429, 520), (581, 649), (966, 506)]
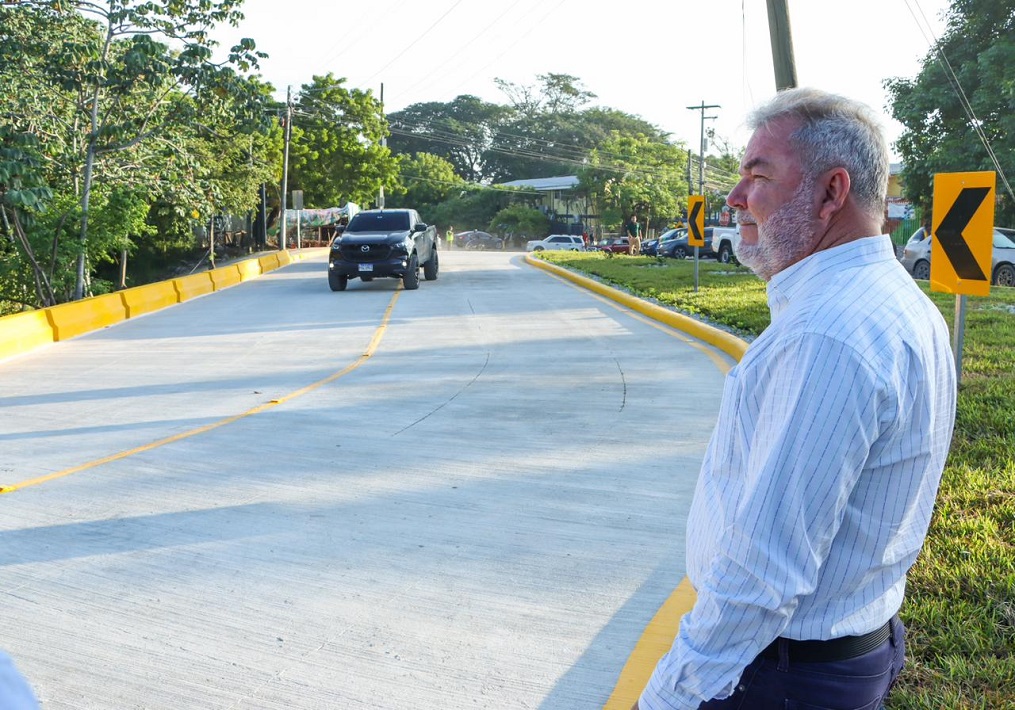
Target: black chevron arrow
[(949, 233), (695, 211)]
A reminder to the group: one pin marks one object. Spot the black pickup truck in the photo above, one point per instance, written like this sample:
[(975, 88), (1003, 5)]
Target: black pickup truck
[(392, 243)]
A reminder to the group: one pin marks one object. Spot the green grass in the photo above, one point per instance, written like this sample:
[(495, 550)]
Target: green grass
[(960, 602)]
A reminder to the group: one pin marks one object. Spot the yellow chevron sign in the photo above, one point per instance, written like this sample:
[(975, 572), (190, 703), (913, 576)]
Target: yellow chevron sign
[(963, 230), (696, 220)]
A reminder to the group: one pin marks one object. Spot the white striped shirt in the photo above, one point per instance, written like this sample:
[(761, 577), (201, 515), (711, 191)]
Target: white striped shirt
[(818, 484)]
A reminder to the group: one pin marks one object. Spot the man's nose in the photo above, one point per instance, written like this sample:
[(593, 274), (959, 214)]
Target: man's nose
[(735, 198)]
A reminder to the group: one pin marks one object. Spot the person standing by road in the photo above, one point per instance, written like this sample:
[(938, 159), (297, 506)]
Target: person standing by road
[(449, 236), (817, 487), (633, 229)]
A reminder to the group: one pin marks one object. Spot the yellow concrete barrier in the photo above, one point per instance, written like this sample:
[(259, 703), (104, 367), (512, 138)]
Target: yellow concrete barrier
[(224, 277), (22, 332), (249, 269), (192, 286), (148, 298), (70, 319), (269, 262), (729, 344)]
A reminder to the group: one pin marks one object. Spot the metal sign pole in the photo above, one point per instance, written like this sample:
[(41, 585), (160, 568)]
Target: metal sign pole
[(959, 334), (298, 208), (696, 269)]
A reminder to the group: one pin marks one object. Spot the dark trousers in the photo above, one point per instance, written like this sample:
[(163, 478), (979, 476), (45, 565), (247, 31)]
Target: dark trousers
[(860, 683)]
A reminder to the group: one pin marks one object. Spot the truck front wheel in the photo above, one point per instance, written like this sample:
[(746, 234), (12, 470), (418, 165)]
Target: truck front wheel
[(337, 282), (410, 280), (431, 268), (725, 253)]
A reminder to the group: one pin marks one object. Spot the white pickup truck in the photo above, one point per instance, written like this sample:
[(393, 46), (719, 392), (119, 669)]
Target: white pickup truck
[(725, 241)]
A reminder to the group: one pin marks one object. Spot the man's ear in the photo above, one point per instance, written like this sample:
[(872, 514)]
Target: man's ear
[(834, 185)]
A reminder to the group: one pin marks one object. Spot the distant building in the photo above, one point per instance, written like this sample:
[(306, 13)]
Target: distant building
[(899, 208), (559, 198)]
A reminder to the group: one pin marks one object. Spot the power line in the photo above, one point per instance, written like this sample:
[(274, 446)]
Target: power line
[(561, 152), (414, 42), (459, 51), (716, 177), (956, 86)]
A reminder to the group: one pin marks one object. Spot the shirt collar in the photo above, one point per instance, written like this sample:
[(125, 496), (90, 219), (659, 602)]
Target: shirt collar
[(794, 279)]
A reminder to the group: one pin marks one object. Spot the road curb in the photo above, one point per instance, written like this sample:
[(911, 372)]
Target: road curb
[(21, 333), (726, 342)]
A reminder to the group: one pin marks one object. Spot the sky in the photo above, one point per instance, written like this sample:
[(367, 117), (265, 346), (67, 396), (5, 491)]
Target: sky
[(645, 57)]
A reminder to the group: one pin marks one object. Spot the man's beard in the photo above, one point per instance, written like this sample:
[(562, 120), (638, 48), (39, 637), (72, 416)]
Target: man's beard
[(784, 238)]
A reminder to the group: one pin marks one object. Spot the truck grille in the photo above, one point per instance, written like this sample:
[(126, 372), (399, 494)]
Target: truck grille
[(365, 252)]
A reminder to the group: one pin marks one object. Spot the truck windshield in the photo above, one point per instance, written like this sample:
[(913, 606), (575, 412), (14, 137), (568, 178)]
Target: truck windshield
[(379, 222)]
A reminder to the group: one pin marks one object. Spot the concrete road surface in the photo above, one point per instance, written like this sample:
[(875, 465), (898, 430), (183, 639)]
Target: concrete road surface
[(472, 495)]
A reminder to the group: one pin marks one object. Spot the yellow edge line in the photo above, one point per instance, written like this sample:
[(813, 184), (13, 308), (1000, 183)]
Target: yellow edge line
[(658, 636), (655, 641), (375, 341)]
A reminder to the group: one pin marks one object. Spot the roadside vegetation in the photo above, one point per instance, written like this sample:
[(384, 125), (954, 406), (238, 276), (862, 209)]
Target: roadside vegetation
[(960, 603), (133, 147)]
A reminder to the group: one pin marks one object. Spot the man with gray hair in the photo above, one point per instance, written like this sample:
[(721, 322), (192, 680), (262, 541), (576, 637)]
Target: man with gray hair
[(818, 484)]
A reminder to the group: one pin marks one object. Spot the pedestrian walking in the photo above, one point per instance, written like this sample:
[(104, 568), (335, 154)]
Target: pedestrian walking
[(633, 228), (449, 236)]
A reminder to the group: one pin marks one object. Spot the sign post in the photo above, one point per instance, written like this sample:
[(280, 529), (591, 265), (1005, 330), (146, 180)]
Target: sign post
[(962, 246), (696, 229), (298, 206)]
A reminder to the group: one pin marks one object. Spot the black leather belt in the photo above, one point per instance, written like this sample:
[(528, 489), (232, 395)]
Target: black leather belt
[(840, 649)]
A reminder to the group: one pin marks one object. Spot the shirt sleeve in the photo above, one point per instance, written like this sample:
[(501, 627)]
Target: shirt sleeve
[(15, 693), (806, 414)]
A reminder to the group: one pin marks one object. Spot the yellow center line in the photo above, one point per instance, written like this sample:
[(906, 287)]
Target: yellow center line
[(374, 343)]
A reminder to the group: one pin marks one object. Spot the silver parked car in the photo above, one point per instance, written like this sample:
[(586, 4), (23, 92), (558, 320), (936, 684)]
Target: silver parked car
[(916, 256)]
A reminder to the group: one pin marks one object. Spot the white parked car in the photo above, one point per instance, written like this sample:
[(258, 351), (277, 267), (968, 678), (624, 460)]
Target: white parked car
[(916, 256), (559, 242)]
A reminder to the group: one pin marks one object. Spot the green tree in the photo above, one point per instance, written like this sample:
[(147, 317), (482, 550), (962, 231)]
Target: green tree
[(556, 93), (426, 181), (543, 144), (633, 173), (520, 221), (940, 136), (123, 85), (22, 196), (473, 208), (459, 131), (336, 150)]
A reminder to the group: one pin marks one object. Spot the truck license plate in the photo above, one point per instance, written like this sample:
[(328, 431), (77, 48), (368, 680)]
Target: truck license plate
[(366, 267)]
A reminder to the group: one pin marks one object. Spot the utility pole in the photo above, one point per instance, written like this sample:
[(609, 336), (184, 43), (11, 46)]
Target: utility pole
[(701, 145), (285, 163), (211, 239), (690, 175), (782, 45), (701, 175), (384, 143)]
